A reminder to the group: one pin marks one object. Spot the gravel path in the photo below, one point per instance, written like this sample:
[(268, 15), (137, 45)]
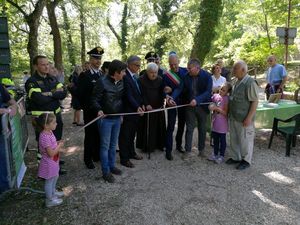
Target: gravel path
[(160, 192)]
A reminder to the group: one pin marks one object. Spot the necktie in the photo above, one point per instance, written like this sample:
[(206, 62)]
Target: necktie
[(135, 78)]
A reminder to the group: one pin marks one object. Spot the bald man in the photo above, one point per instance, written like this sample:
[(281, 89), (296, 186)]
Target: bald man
[(242, 107), (276, 77)]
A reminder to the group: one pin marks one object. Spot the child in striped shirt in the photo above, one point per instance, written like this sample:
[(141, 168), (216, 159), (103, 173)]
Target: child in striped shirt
[(49, 164)]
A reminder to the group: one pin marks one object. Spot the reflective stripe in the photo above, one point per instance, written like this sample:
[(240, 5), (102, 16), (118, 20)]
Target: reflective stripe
[(33, 90), (57, 110), (38, 113), (59, 85)]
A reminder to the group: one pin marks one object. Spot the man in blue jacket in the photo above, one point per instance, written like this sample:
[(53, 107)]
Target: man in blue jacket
[(172, 80), (196, 90), (133, 102)]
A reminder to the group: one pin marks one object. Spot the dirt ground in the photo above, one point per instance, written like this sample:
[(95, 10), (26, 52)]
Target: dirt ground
[(161, 192)]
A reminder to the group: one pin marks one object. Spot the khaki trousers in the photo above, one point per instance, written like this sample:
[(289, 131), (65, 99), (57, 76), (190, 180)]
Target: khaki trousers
[(241, 141)]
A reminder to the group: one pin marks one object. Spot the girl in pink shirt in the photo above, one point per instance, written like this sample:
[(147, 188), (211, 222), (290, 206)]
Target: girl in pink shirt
[(220, 122), (49, 164)]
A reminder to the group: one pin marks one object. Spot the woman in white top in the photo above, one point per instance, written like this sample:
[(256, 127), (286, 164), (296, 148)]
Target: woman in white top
[(218, 80)]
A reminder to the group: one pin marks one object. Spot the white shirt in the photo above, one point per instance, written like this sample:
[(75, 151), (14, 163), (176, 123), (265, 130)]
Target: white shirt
[(218, 82)]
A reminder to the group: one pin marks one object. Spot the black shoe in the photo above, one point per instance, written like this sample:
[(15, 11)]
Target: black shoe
[(90, 165), (61, 162), (116, 171), (109, 178), (243, 165), (127, 164), (169, 156), (62, 171), (232, 161), (180, 149)]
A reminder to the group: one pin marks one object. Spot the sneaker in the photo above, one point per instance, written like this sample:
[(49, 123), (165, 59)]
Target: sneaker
[(212, 157), (186, 155), (116, 171), (219, 160), (59, 194), (109, 178), (53, 202)]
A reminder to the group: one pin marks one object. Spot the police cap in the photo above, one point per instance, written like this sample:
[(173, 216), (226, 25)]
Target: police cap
[(96, 52)]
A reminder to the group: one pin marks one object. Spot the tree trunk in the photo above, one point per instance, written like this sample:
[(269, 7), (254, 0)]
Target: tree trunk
[(162, 10), (124, 32), (210, 13), (32, 45), (82, 34), (266, 24), (56, 34), (70, 44)]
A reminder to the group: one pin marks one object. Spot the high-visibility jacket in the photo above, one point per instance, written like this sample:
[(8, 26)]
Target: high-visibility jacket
[(43, 94), (10, 86)]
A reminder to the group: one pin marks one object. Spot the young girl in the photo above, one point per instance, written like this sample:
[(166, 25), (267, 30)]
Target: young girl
[(220, 122), (49, 164)]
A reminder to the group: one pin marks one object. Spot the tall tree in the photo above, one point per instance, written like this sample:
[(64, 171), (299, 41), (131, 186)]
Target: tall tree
[(67, 28), (82, 31), (51, 5), (210, 13), (165, 13), (122, 38), (32, 19)]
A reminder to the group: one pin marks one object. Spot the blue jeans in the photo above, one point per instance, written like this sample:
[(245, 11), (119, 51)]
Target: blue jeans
[(109, 129)]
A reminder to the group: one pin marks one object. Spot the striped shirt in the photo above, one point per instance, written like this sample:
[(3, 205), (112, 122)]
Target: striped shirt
[(49, 166)]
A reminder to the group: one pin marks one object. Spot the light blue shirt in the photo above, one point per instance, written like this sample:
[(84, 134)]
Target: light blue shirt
[(276, 74)]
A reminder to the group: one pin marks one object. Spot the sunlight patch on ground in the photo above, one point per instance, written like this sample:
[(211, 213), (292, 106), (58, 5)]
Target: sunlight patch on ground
[(297, 169), (268, 201), (68, 190), (71, 150), (279, 178)]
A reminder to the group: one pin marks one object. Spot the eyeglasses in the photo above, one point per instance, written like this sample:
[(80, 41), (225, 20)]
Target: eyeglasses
[(137, 65)]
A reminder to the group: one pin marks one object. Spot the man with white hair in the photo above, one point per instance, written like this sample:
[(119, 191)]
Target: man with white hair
[(276, 77), (242, 107), (172, 80)]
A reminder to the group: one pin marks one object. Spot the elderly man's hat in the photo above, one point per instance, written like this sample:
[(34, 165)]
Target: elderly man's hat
[(96, 52), (151, 55)]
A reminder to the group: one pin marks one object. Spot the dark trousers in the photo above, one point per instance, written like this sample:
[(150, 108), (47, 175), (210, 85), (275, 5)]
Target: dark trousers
[(219, 143), (172, 113), (126, 139), (91, 137)]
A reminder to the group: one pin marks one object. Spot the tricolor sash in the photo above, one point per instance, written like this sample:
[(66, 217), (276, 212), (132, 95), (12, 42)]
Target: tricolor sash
[(173, 77)]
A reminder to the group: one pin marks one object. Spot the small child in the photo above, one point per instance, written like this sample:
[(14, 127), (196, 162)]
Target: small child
[(220, 122), (49, 164)]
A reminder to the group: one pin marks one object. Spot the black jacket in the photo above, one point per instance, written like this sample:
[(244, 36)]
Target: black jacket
[(107, 95), (85, 86), (36, 85)]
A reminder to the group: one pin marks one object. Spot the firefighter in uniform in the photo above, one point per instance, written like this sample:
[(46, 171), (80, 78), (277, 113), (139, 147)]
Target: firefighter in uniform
[(44, 93), (86, 82)]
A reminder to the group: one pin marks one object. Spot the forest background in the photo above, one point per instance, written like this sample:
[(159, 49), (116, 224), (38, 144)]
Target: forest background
[(65, 30)]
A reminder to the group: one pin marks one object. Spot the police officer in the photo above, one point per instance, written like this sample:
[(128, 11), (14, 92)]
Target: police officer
[(44, 93), (86, 82), (153, 57)]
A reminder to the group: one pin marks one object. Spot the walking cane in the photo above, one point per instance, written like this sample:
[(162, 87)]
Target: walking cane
[(147, 135)]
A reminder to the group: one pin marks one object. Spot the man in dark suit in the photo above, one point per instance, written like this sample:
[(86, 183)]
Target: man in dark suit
[(133, 102), (86, 82)]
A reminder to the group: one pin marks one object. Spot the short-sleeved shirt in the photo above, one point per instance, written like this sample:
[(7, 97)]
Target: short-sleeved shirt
[(49, 166), (220, 121), (218, 82), (275, 74)]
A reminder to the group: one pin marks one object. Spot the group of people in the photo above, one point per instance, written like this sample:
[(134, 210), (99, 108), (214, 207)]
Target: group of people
[(130, 111)]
